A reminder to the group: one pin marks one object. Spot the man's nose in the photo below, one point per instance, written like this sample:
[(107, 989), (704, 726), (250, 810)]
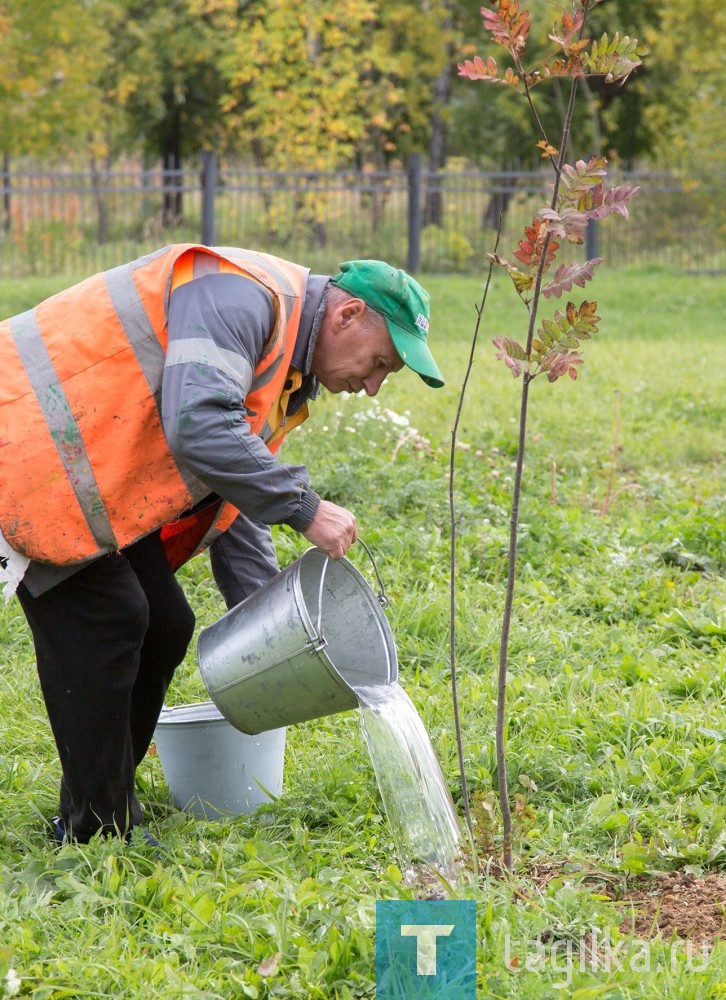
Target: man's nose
[(373, 383)]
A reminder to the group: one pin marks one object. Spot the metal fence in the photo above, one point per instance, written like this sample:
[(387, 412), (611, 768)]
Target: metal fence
[(75, 221)]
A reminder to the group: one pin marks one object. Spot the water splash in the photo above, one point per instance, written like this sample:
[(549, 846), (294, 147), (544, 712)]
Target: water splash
[(421, 814)]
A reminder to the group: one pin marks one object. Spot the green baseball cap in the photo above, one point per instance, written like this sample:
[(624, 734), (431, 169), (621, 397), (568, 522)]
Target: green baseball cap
[(403, 303)]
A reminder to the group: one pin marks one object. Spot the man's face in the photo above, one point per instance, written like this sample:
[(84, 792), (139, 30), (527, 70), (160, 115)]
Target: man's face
[(351, 354)]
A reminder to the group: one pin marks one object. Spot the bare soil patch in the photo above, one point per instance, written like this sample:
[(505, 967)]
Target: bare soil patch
[(678, 904), (672, 904), (669, 904)]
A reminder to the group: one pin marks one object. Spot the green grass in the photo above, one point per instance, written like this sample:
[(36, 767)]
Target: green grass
[(617, 698)]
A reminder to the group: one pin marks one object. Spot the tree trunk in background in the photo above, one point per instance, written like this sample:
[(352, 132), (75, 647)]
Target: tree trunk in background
[(172, 212), (265, 192), (505, 185), (434, 204), (7, 218), (99, 198)]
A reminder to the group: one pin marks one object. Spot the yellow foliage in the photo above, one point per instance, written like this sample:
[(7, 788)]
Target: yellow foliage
[(688, 55), (358, 58)]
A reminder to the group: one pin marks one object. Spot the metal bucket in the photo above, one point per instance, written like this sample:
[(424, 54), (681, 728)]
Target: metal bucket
[(213, 770), (298, 647)]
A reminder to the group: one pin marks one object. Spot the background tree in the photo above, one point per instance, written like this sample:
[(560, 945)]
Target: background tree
[(316, 85), (167, 79), (410, 79), (293, 84), (685, 114), (324, 85), (319, 87), (294, 94), (405, 70), (52, 50), (52, 54)]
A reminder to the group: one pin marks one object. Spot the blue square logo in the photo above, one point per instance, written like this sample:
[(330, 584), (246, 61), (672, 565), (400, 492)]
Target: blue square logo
[(426, 949)]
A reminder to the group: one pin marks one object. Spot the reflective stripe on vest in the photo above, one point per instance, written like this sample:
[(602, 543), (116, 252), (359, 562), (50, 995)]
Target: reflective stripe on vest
[(148, 350), (62, 426), (84, 464), (258, 401)]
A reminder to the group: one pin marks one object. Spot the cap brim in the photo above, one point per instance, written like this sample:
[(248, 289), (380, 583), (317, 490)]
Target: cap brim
[(415, 354)]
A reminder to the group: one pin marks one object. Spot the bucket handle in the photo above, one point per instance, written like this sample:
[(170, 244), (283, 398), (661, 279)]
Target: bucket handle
[(381, 596)]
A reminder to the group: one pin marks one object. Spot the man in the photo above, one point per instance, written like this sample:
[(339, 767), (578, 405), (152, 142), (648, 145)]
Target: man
[(140, 417)]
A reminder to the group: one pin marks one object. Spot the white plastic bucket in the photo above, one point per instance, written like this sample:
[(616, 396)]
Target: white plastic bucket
[(211, 768)]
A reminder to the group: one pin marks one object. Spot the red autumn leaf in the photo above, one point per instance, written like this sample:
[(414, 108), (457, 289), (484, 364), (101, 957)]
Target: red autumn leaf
[(512, 354), (529, 250), (561, 363), (570, 274), (565, 31), (477, 69), (569, 223), (604, 203), (506, 25)]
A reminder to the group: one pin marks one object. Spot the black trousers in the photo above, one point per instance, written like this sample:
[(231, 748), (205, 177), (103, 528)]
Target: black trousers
[(107, 642)]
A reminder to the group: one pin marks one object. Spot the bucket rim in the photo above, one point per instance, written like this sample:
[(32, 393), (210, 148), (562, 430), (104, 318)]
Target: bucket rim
[(315, 554), (195, 713)]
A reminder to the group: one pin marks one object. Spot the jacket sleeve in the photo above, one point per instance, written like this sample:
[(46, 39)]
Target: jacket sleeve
[(242, 559), (218, 327)]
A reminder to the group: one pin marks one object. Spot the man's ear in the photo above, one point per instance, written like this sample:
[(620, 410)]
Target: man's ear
[(352, 309)]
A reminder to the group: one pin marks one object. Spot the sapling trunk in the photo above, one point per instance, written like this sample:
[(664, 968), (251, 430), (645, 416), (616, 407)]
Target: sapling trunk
[(507, 832), (501, 752)]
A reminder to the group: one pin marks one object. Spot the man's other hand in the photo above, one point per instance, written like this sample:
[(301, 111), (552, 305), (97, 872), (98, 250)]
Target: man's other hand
[(333, 529)]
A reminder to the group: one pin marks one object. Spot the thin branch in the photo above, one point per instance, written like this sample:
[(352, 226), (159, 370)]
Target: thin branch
[(452, 517)]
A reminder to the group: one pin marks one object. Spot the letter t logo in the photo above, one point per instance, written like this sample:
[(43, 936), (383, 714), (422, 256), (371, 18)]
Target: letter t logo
[(426, 949), (426, 935)]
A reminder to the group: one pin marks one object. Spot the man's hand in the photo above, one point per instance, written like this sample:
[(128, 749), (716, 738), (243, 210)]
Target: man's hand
[(333, 529)]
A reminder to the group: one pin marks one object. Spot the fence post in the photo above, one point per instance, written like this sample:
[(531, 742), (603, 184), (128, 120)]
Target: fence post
[(414, 212), (209, 190), (592, 239)]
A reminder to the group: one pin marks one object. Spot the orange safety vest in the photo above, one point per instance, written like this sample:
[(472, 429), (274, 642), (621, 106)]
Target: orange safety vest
[(84, 464)]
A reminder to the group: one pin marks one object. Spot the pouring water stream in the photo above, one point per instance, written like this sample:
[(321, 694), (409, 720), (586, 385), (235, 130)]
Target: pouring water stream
[(421, 814)]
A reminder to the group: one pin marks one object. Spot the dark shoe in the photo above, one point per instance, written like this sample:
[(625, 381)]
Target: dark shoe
[(148, 839), (60, 834), (58, 830)]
